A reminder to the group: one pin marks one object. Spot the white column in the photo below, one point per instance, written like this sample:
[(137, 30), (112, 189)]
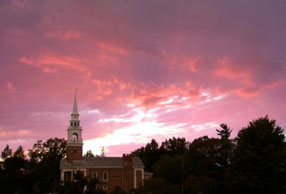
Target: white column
[(62, 175)]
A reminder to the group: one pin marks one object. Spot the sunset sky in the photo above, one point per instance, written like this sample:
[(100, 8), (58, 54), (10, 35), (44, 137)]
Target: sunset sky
[(143, 69)]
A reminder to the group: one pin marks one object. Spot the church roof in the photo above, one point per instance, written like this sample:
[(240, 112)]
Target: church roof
[(100, 162)]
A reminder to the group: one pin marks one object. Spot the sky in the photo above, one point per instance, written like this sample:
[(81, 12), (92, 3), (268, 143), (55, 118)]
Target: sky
[(144, 69)]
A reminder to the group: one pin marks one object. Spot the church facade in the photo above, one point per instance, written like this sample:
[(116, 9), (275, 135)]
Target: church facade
[(126, 172)]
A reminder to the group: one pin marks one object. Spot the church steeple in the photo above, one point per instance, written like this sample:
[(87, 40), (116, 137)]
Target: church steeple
[(74, 142), (74, 115), (74, 110)]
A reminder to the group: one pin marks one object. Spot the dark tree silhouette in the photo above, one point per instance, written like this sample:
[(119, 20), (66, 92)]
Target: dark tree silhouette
[(225, 132), (6, 153), (259, 161), (89, 154)]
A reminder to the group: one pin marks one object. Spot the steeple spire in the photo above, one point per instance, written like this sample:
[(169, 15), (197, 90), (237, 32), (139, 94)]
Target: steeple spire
[(74, 141), (74, 111)]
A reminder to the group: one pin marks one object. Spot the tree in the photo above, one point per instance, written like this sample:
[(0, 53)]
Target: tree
[(15, 173), (174, 146), (45, 158), (225, 132), (88, 154), (169, 168), (226, 145), (203, 157), (158, 186), (37, 152), (19, 153), (149, 154), (203, 170), (6, 153), (259, 160), (91, 186), (118, 190), (201, 184), (102, 154)]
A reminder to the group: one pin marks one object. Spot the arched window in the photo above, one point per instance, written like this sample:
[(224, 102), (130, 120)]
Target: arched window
[(74, 137)]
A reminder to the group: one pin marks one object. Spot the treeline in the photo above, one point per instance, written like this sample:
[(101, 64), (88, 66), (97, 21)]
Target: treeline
[(252, 162), (37, 173)]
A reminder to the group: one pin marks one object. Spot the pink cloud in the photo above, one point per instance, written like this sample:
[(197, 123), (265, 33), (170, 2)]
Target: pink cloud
[(112, 48), (228, 70), (248, 93), (10, 86), (9, 134), (67, 35), (51, 63)]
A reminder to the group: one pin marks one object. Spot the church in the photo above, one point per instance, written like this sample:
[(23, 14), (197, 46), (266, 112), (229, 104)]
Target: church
[(126, 172)]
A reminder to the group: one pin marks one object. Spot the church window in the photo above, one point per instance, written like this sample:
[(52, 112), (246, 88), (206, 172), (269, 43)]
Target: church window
[(105, 176), (94, 174), (105, 187)]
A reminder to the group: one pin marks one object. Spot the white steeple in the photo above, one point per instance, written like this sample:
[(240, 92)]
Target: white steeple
[(74, 130), (74, 110)]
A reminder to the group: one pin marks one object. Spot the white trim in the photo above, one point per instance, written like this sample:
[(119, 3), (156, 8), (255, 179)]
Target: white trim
[(135, 180)]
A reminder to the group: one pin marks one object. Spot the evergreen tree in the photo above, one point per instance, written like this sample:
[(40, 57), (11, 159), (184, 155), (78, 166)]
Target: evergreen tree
[(6, 153), (225, 132)]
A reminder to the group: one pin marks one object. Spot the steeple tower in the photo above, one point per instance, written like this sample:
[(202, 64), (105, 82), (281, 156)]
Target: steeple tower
[(74, 142)]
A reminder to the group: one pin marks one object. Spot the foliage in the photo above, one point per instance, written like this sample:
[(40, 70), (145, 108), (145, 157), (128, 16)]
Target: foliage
[(203, 157), (118, 190), (102, 154), (169, 168), (259, 160), (174, 146), (45, 160), (39, 174), (253, 162), (148, 154), (7, 152), (88, 154), (19, 153), (225, 132), (157, 186)]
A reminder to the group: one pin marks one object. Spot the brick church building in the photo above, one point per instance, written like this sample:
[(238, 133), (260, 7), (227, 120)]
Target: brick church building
[(126, 172)]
